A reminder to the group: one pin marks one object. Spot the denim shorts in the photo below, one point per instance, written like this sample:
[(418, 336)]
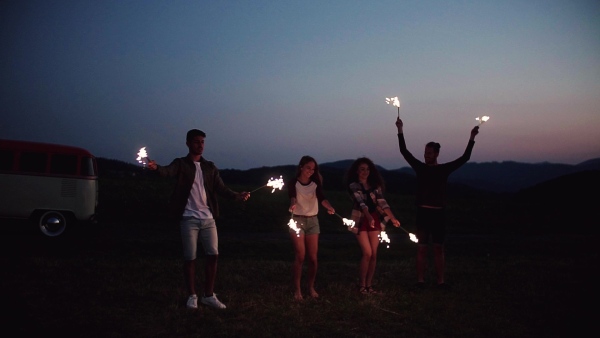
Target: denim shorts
[(309, 225), (192, 229)]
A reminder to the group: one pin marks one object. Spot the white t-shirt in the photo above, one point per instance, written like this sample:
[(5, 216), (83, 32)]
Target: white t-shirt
[(196, 204), (307, 203)]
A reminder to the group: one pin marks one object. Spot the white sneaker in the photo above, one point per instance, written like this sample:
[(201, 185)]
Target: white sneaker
[(192, 302), (212, 301)]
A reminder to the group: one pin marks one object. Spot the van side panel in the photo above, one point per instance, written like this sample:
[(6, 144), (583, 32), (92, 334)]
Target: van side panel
[(23, 194)]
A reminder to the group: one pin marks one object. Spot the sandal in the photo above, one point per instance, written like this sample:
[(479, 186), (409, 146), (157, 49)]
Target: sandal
[(363, 290)]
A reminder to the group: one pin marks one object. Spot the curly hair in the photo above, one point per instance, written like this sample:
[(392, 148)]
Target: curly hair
[(374, 179)]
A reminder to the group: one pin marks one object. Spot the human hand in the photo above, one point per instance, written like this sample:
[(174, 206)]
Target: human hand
[(331, 211), (474, 132), (152, 165), (399, 124), (396, 222), (244, 196), (292, 208)]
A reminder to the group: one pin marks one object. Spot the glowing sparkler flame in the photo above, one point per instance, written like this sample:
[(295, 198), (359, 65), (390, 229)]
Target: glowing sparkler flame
[(294, 226), (275, 183), (482, 119), (393, 100), (411, 235), (142, 156), (348, 222), (383, 237)]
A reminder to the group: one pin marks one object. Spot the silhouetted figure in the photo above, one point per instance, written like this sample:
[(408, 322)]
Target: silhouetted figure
[(431, 199)]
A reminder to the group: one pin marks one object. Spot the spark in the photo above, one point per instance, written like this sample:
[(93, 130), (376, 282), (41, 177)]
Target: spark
[(347, 222), (294, 226), (383, 237), (142, 156), (273, 183), (482, 119), (393, 100)]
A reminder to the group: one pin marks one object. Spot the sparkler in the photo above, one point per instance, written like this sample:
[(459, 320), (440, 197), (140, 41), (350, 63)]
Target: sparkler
[(347, 222), (294, 225), (410, 235), (395, 102), (383, 237), (142, 156), (274, 183), (482, 119)]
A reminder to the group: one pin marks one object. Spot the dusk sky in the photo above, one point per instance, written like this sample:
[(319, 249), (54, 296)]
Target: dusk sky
[(271, 81)]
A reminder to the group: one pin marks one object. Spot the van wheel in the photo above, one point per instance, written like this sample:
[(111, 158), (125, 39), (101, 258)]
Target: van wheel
[(52, 223)]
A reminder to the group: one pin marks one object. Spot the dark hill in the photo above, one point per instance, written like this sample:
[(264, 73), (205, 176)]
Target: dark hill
[(563, 204), (471, 179)]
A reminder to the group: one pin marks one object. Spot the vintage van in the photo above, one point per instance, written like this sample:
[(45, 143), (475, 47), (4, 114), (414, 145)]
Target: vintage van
[(54, 186)]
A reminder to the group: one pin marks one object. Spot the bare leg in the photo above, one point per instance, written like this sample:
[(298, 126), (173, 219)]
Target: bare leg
[(300, 251), (211, 274), (374, 244), (189, 276), (421, 262), (312, 246), (440, 262), (365, 248)]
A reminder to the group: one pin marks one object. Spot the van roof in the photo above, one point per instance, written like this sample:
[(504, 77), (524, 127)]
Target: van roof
[(43, 147)]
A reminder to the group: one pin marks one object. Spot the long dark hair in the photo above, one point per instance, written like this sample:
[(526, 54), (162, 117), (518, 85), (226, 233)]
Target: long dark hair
[(375, 180), (316, 176)]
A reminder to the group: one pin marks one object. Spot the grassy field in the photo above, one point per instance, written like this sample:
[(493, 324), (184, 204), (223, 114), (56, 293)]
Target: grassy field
[(122, 277)]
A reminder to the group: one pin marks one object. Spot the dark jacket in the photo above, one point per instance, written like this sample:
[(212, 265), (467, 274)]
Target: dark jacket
[(184, 170)]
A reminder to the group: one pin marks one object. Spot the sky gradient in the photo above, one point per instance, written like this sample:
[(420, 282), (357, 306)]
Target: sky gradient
[(270, 81)]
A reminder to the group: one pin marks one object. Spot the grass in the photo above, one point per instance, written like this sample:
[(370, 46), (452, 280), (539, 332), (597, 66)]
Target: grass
[(122, 278)]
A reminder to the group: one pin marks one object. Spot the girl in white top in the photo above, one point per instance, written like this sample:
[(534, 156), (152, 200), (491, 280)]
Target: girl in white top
[(306, 192)]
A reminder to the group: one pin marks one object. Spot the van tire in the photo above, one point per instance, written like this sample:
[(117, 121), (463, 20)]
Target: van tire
[(52, 223)]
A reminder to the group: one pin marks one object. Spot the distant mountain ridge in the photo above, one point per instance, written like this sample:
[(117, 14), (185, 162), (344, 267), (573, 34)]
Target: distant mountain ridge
[(471, 178), (509, 176)]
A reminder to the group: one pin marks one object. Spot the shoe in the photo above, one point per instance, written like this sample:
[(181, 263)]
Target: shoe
[(363, 290), (192, 302), (212, 301)]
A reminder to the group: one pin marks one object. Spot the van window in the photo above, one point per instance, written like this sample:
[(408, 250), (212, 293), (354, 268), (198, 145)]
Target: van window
[(33, 162), (63, 164), (87, 166)]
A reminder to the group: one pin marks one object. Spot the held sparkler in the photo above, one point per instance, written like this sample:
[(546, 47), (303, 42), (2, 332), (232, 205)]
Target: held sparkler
[(142, 156), (395, 102), (347, 222), (482, 119), (294, 225), (274, 183), (383, 237), (410, 235)]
